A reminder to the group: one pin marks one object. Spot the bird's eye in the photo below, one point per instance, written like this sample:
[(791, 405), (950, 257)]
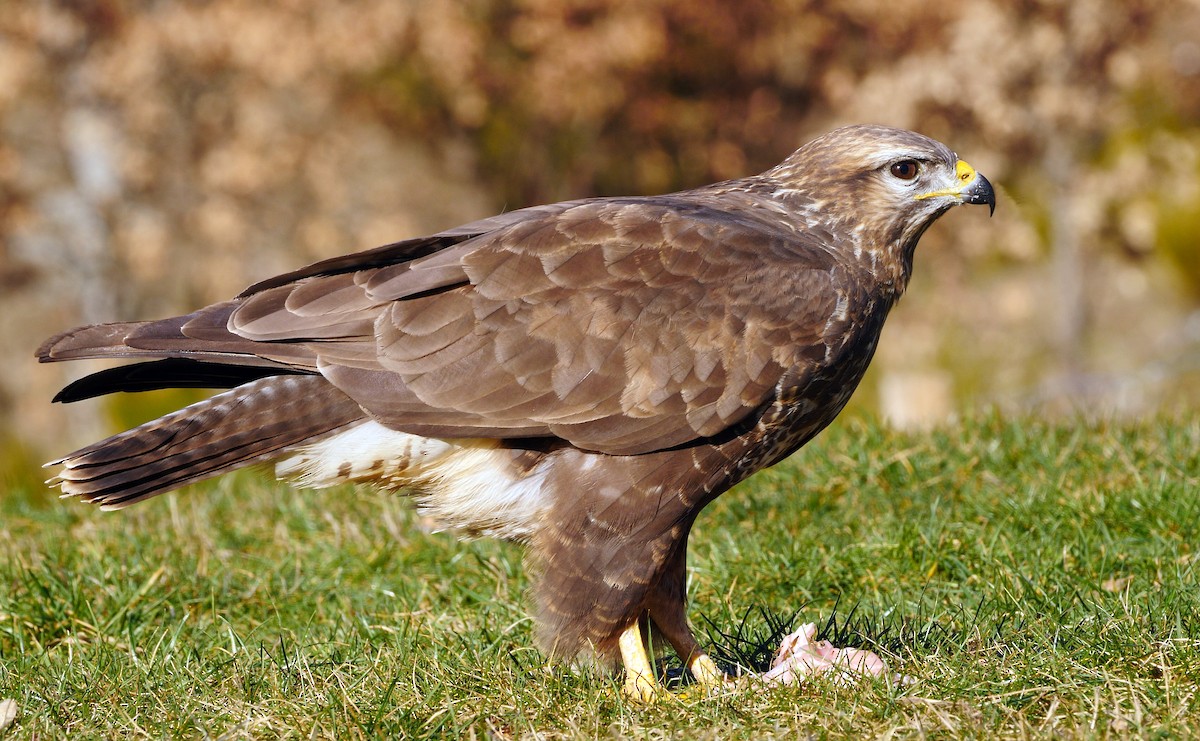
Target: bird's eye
[(905, 169)]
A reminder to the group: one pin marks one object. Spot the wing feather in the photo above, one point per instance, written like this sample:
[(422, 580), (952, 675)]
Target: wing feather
[(619, 325)]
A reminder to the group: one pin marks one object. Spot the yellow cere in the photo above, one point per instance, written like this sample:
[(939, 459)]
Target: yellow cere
[(963, 172)]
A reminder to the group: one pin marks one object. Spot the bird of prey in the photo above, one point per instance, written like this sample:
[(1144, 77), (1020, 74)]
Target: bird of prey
[(582, 377)]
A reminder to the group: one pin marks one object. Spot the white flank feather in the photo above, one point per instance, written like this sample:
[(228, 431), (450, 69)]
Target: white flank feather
[(466, 484)]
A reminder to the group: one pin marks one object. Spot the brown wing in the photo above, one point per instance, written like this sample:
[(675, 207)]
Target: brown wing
[(621, 326), (408, 249)]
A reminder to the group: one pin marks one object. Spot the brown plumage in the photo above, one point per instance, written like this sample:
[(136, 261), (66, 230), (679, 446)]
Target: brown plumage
[(584, 376)]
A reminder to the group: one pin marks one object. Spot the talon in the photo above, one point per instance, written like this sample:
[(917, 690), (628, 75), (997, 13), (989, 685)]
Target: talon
[(707, 673), (640, 684), (643, 689)]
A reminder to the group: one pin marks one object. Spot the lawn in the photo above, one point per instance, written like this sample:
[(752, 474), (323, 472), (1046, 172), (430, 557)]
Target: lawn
[(1031, 580)]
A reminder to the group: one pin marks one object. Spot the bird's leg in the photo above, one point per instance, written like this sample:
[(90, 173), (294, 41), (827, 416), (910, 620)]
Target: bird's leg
[(667, 606), (675, 629), (640, 683), (673, 626)]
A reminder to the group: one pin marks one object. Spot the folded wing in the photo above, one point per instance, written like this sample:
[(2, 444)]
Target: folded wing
[(619, 325)]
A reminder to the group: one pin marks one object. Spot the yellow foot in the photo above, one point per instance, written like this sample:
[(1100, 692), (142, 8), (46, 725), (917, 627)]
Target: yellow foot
[(709, 678), (705, 670), (640, 684), (646, 690)]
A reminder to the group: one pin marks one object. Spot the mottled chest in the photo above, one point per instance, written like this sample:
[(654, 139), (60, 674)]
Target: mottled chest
[(805, 403)]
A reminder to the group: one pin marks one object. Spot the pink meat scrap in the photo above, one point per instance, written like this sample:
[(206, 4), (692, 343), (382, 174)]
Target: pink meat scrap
[(800, 657)]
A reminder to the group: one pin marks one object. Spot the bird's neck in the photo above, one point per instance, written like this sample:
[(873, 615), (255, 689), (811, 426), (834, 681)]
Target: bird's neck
[(886, 265)]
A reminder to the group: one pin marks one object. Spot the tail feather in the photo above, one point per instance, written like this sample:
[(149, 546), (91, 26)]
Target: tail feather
[(170, 373), (200, 336), (251, 423), (93, 341)]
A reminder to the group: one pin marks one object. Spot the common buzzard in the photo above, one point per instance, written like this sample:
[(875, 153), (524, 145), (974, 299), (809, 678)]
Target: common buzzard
[(582, 377)]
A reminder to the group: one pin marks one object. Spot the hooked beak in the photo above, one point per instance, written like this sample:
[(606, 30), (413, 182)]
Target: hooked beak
[(980, 190), (971, 187)]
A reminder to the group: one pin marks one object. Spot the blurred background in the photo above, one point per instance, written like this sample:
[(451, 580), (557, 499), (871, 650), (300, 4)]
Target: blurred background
[(159, 155)]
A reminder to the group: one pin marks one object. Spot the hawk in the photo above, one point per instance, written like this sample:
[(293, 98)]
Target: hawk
[(582, 377)]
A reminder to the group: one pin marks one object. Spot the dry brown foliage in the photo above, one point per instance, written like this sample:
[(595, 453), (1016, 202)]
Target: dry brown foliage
[(156, 156)]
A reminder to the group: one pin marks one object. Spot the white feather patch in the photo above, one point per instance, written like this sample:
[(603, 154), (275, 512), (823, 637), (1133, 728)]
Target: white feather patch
[(466, 484)]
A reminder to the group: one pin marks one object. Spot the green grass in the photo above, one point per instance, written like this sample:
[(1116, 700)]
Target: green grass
[(1034, 580)]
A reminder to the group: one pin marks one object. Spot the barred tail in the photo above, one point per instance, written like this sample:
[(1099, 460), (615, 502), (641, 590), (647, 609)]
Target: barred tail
[(253, 422)]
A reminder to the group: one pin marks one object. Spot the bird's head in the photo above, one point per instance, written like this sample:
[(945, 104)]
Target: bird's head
[(880, 187)]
